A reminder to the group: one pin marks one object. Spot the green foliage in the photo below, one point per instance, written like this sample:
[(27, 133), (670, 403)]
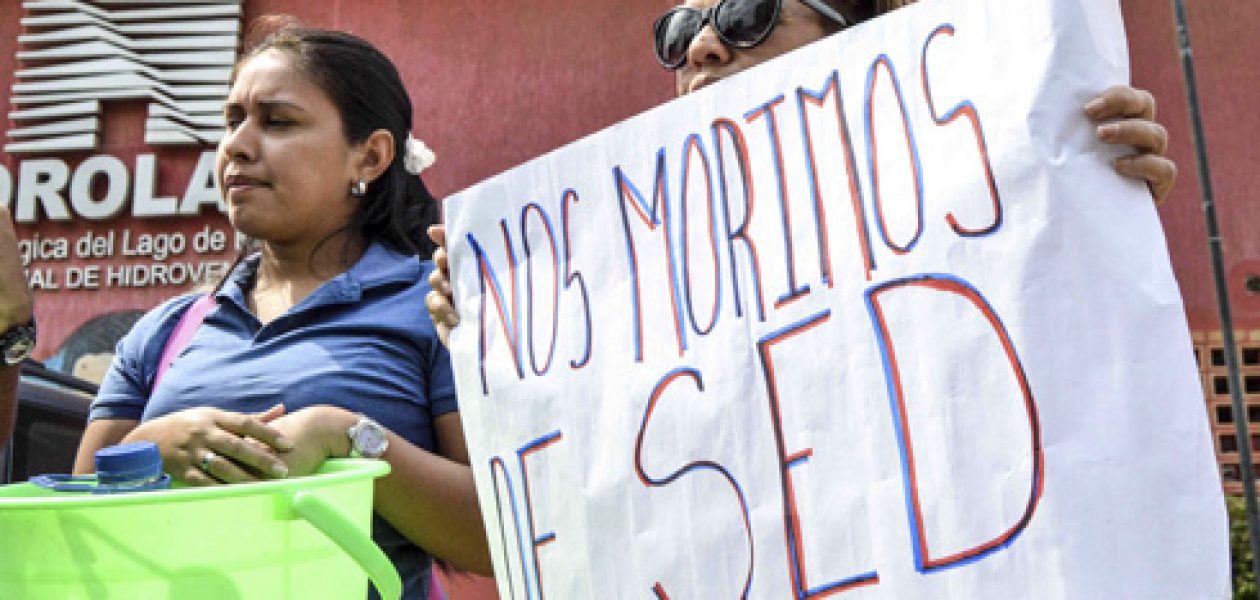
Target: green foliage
[(1240, 549)]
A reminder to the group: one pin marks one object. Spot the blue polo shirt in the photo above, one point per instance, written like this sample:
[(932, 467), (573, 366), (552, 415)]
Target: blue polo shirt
[(362, 341)]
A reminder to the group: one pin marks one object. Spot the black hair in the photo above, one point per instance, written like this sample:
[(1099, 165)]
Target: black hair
[(857, 11), (369, 95)]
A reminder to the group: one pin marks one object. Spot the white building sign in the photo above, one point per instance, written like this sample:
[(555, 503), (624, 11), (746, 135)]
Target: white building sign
[(78, 55)]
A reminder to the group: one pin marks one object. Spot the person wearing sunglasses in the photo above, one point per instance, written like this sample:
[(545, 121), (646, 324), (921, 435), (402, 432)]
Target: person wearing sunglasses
[(704, 41), (738, 34)]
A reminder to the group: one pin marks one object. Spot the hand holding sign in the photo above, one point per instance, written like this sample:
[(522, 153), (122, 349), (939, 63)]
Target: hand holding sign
[(1126, 116), (439, 301)]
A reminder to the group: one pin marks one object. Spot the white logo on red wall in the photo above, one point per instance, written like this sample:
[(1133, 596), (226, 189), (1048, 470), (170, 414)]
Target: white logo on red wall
[(76, 55)]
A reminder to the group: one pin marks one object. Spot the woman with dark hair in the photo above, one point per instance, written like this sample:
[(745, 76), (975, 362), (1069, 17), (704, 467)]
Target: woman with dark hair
[(315, 345)]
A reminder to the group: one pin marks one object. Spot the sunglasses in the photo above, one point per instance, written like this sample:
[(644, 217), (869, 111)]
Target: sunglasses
[(739, 24)]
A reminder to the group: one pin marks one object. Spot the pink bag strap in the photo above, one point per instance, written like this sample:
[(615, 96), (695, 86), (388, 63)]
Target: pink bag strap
[(435, 586), (183, 333)]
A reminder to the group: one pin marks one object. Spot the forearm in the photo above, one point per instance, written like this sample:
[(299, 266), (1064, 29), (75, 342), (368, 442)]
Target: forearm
[(429, 498), (9, 377), (433, 501), (99, 434)]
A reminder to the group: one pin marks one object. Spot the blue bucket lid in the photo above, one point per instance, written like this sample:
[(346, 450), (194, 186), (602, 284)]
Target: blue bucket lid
[(128, 462)]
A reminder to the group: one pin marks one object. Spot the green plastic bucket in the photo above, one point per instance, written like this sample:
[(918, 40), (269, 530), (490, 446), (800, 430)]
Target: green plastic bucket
[(306, 537)]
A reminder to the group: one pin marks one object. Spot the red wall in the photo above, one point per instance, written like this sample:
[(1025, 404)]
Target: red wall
[(1225, 51)]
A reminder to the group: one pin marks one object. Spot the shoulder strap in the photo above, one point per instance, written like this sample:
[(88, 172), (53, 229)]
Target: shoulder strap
[(183, 333)]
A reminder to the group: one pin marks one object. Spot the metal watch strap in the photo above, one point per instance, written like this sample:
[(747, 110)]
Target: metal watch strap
[(17, 342)]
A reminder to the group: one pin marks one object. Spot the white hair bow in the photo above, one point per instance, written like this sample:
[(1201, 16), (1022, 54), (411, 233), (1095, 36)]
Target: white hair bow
[(418, 156)]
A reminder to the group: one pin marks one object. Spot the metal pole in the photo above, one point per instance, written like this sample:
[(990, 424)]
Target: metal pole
[(1222, 290)]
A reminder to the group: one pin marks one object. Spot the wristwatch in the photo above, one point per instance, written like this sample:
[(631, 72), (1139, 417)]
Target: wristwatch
[(17, 343), (367, 439)]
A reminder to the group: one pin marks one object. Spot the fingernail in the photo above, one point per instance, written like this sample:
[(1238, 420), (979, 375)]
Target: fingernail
[(1108, 131), (1094, 105), (1123, 164), (280, 470), (283, 443)]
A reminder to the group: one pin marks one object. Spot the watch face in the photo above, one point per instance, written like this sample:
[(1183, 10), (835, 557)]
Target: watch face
[(369, 439)]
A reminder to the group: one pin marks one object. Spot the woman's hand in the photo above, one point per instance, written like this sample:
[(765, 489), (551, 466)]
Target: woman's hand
[(318, 433), (208, 446), (440, 302), (1126, 115)]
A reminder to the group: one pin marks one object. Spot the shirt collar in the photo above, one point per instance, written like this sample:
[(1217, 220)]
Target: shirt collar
[(379, 266)]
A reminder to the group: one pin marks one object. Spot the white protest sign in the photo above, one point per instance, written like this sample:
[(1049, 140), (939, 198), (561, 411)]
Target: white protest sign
[(876, 319)]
